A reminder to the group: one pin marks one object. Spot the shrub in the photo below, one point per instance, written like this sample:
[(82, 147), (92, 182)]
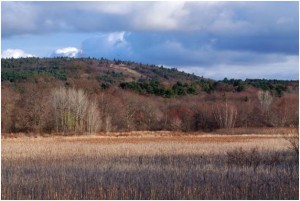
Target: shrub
[(240, 157)]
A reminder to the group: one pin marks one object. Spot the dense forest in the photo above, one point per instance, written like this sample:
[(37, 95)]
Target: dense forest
[(87, 95)]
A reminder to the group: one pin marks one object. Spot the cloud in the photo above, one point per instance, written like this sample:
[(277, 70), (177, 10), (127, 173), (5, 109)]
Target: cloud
[(161, 16), (115, 8), (67, 52), (110, 45), (239, 26), (286, 69), (238, 18), (15, 53), (18, 18)]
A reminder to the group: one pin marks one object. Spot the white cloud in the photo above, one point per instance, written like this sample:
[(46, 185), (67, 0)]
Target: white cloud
[(110, 45), (15, 53), (108, 42), (115, 38), (116, 8), (67, 52), (18, 17), (160, 16)]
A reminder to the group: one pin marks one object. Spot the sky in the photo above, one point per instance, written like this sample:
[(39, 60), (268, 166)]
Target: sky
[(212, 39)]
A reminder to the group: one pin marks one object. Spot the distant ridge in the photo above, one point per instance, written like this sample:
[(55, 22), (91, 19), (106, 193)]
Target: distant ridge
[(141, 78)]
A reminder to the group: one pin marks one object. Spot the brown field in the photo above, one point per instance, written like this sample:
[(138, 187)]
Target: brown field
[(149, 165)]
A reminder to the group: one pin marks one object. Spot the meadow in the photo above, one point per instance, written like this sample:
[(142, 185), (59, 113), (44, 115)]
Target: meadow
[(149, 165)]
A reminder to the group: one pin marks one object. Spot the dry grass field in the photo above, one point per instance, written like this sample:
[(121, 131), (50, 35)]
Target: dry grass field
[(149, 165)]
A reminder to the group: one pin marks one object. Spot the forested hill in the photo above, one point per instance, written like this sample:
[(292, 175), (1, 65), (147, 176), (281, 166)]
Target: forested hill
[(101, 74), (84, 95)]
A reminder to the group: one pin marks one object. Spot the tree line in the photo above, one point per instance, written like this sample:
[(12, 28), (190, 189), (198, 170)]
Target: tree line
[(63, 109)]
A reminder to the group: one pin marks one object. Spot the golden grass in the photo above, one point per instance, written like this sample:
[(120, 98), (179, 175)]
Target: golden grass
[(148, 165), (135, 145)]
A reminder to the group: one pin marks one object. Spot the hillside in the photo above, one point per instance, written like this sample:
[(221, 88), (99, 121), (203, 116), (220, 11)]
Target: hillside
[(87, 95), (142, 78)]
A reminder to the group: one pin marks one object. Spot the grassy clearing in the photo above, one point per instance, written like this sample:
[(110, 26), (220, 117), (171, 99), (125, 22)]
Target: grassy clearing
[(152, 167)]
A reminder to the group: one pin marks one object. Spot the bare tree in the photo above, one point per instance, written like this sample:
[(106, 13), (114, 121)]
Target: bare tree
[(176, 124), (284, 111), (79, 104), (293, 138), (108, 124), (150, 114), (29, 113), (203, 117), (9, 99), (225, 115), (59, 104), (130, 108), (93, 120), (265, 98), (74, 112), (111, 104)]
